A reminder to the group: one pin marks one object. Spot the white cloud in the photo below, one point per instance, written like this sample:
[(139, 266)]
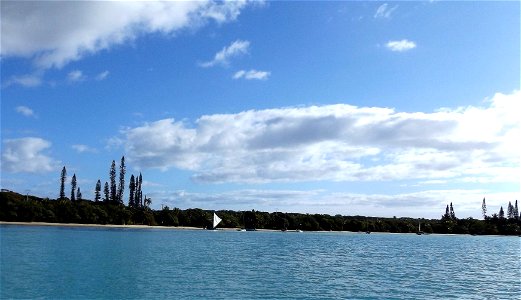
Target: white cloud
[(400, 46), (76, 76), (84, 148), (222, 57), (102, 76), (338, 143), (384, 11), (54, 33), (24, 155), (26, 111), (28, 80), (251, 74), (428, 203)]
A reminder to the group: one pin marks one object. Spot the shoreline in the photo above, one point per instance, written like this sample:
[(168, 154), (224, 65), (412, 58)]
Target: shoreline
[(99, 225), (118, 226)]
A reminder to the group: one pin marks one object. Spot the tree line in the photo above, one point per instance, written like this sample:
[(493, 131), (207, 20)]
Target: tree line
[(112, 192), (17, 207)]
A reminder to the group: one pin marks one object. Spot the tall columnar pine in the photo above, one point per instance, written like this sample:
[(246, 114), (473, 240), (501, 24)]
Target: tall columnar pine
[(106, 191), (78, 194), (132, 189), (516, 212), (484, 209), (452, 214), (121, 184), (73, 187), (138, 193), (140, 190), (112, 176), (510, 211), (63, 177), (446, 216), (501, 213), (97, 191)]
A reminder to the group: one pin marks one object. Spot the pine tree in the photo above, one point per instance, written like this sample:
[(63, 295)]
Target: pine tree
[(452, 214), (446, 216), (78, 194), (140, 197), (138, 193), (132, 189), (73, 187), (63, 177), (106, 192), (112, 176), (484, 209), (501, 213), (97, 191), (510, 211), (121, 184), (516, 212)]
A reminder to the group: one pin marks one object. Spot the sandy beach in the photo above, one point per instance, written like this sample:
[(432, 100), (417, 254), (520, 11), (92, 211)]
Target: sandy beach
[(102, 225), (119, 226)]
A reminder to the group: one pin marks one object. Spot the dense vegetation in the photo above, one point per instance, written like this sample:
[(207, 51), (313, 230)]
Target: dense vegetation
[(111, 209), (22, 208)]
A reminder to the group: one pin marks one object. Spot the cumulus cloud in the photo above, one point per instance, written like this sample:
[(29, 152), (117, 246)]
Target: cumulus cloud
[(337, 143), (413, 204), (76, 76), (102, 76), (25, 155), (26, 111), (28, 80), (84, 148), (222, 57), (400, 46), (251, 74), (54, 33), (384, 11)]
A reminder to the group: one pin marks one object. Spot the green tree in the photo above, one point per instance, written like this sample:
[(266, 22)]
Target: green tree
[(73, 187), (446, 216), (516, 212), (147, 202), (78, 194), (121, 184), (138, 198), (63, 177), (501, 213), (106, 191), (452, 214), (112, 176), (510, 211), (484, 209), (132, 190), (97, 191)]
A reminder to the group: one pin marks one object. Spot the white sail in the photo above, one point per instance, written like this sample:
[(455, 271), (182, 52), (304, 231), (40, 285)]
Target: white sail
[(216, 220)]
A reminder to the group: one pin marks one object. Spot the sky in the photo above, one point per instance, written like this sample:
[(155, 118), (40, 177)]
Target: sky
[(345, 107)]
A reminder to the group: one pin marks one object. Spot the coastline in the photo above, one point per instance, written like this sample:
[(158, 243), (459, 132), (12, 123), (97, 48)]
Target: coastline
[(99, 225), (118, 226)]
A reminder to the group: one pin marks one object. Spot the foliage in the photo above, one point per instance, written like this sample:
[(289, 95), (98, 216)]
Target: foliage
[(17, 207)]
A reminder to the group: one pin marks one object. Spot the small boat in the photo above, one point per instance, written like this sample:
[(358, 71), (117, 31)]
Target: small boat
[(216, 221), (420, 232)]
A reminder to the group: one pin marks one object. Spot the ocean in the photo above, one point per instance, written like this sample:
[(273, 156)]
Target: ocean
[(40, 262)]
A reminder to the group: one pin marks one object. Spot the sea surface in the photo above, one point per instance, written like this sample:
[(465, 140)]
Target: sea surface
[(99, 263)]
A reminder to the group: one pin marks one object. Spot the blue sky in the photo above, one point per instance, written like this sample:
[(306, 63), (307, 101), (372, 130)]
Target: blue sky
[(371, 108)]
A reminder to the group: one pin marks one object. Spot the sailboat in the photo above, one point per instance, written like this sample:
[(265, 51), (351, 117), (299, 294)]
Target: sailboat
[(216, 221), (420, 232)]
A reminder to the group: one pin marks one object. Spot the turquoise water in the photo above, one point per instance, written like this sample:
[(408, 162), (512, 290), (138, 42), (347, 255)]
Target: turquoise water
[(97, 263)]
